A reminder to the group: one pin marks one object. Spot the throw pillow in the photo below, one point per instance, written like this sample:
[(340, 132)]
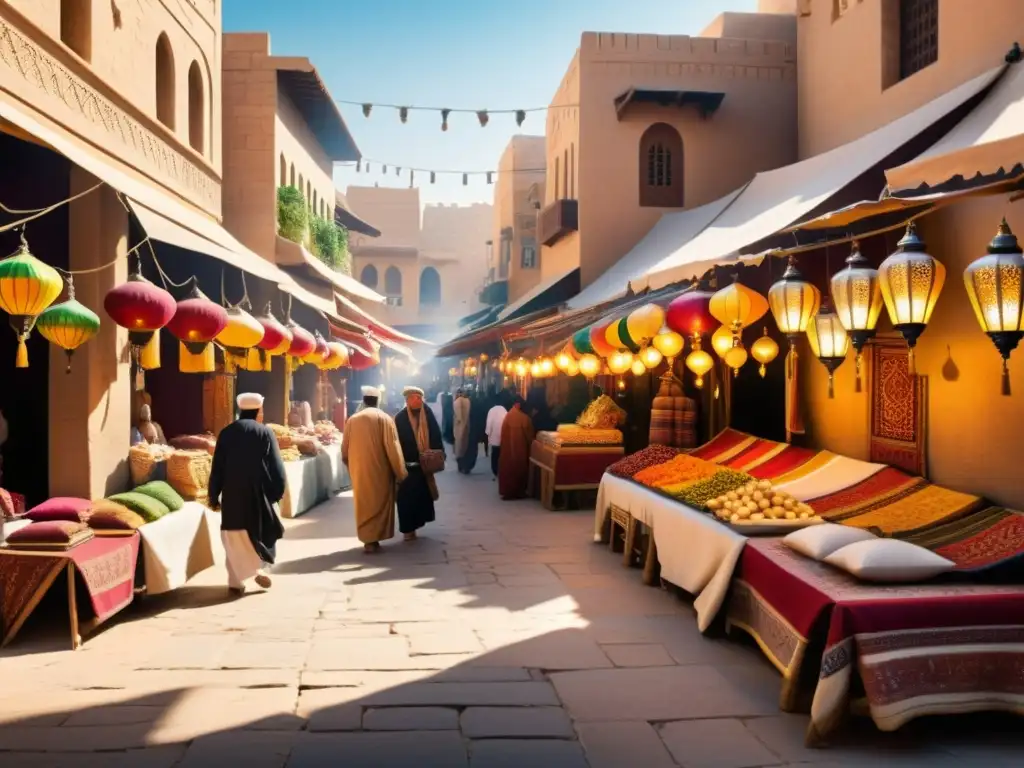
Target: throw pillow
[(61, 508), (162, 492), (145, 506), (889, 560), (50, 532), (819, 541), (107, 515)]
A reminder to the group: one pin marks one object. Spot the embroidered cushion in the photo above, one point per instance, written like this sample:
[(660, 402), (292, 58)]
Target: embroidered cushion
[(145, 506), (107, 515), (162, 492), (889, 560), (61, 508), (819, 541), (50, 532)]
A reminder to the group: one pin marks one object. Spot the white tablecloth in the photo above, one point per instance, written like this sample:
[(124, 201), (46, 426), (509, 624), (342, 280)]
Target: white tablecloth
[(304, 487), (695, 551), (178, 546), (334, 474), (10, 526)]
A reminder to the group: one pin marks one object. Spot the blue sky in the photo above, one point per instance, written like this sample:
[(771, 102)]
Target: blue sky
[(473, 54)]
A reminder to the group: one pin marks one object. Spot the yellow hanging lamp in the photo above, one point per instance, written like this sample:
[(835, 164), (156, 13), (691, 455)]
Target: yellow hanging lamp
[(27, 287), (764, 350), (857, 298), (69, 324)]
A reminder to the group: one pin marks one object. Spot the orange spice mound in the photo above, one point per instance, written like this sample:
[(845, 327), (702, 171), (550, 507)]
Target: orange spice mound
[(683, 469)]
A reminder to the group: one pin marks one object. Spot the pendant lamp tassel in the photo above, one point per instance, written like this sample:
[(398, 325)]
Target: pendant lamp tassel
[(910, 362), (68, 353), (21, 359), (831, 387), (1006, 379), (857, 361)]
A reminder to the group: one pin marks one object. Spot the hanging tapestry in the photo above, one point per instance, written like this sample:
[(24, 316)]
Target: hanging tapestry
[(899, 409)]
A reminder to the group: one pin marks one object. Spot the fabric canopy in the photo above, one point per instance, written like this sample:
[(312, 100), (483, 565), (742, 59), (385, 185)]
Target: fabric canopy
[(547, 293), (773, 200), (985, 146), (672, 231), (289, 254)]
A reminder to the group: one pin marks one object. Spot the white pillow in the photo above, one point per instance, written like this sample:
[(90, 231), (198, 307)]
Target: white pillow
[(889, 560), (819, 541)]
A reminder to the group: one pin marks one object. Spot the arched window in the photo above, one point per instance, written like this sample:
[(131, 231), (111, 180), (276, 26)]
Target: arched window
[(164, 81), (392, 282), (284, 171), (368, 277), (291, 176), (316, 203), (196, 119), (309, 195), (430, 287), (76, 26), (302, 184), (661, 167)]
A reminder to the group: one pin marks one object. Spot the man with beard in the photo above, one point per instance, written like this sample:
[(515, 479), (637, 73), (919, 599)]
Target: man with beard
[(418, 431)]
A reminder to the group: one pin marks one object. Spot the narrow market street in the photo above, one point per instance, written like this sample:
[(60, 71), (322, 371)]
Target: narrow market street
[(504, 637)]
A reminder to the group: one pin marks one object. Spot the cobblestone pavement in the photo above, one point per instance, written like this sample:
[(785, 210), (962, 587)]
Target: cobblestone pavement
[(504, 637)]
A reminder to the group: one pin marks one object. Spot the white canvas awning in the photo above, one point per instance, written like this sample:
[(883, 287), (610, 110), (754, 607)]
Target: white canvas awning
[(672, 231), (987, 143), (776, 199)]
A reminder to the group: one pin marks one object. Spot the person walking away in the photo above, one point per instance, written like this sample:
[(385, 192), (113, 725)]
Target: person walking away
[(448, 418), (514, 461), (462, 409), (477, 429), (418, 431), (495, 418), (539, 411), (246, 481), (371, 451)]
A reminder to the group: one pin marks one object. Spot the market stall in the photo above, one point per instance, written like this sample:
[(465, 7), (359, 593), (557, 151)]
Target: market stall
[(312, 462), (178, 546)]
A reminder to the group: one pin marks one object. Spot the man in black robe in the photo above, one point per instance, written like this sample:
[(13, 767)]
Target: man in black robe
[(448, 417), (418, 431), (246, 481)]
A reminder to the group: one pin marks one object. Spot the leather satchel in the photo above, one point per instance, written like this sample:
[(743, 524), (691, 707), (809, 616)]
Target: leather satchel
[(432, 461)]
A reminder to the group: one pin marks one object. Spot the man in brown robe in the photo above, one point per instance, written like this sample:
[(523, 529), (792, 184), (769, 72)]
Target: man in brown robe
[(373, 455), (514, 461)]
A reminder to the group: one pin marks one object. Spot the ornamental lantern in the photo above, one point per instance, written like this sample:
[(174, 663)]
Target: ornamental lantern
[(669, 343), (547, 367), (737, 306), (337, 356), (581, 342), (320, 351), (143, 309), (564, 358), (612, 335), (764, 351), (535, 369), (722, 340), (699, 362), (302, 343), (573, 369), (650, 357), (590, 366), (995, 284), (276, 341), (735, 358), (857, 298), (620, 361), (829, 342), (643, 324), (638, 368), (197, 321), (521, 368), (361, 361), (599, 341), (911, 281), (27, 287), (242, 333), (689, 313), (793, 302), (68, 324)]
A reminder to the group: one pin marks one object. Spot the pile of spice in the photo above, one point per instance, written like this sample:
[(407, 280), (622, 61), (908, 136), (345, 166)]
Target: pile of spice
[(678, 471), (650, 456)]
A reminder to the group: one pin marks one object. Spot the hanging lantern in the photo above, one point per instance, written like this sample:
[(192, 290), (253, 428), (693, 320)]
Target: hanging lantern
[(242, 332), (564, 359), (302, 342), (535, 369), (521, 368), (689, 313), (320, 351), (638, 368), (793, 302), (764, 351), (669, 343), (620, 361), (599, 340), (337, 356), (27, 287), (276, 341), (573, 368), (737, 306), (643, 324), (650, 357), (699, 362), (589, 365), (995, 284), (69, 324), (581, 342), (361, 361), (611, 334), (501, 366), (911, 281), (857, 298), (829, 342), (195, 324), (735, 358), (722, 340), (547, 367), (143, 309)]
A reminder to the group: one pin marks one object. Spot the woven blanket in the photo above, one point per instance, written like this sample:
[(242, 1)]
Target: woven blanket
[(925, 506), (813, 464), (723, 446), (839, 473), (755, 455), (789, 458), (880, 489), (988, 542)]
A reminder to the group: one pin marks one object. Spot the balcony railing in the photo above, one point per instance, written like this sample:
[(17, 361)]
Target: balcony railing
[(557, 220)]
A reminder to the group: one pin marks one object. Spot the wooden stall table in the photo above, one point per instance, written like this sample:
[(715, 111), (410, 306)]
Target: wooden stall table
[(101, 570), (568, 468)]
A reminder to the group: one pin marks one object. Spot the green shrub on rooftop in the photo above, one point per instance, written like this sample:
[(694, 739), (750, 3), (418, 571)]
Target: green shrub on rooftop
[(292, 214)]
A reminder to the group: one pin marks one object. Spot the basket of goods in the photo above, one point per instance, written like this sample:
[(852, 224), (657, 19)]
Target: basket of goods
[(206, 442), (757, 507), (283, 435), (188, 472), (290, 454), (148, 462), (602, 413)]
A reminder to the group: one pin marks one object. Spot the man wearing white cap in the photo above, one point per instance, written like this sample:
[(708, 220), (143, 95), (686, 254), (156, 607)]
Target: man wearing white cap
[(371, 451), (246, 481)]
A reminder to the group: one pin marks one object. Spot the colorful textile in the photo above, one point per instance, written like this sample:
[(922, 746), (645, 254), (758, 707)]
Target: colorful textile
[(162, 492), (724, 445), (880, 489), (899, 404), (783, 598), (108, 515), (575, 467), (755, 455), (61, 508), (642, 459), (104, 567), (989, 541), (50, 534), (146, 506), (789, 458), (813, 464), (842, 472), (927, 505)]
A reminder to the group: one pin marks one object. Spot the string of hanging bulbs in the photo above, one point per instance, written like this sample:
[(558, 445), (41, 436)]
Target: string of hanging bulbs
[(483, 116), (367, 165)]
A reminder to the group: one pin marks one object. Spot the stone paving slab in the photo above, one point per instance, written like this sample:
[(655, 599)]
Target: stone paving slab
[(516, 722), (511, 753), (411, 719)]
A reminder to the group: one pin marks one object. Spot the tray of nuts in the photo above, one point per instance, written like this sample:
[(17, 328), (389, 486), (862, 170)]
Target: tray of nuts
[(758, 509)]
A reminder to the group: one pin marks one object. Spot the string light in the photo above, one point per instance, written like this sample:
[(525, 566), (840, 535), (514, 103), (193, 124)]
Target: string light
[(364, 165)]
